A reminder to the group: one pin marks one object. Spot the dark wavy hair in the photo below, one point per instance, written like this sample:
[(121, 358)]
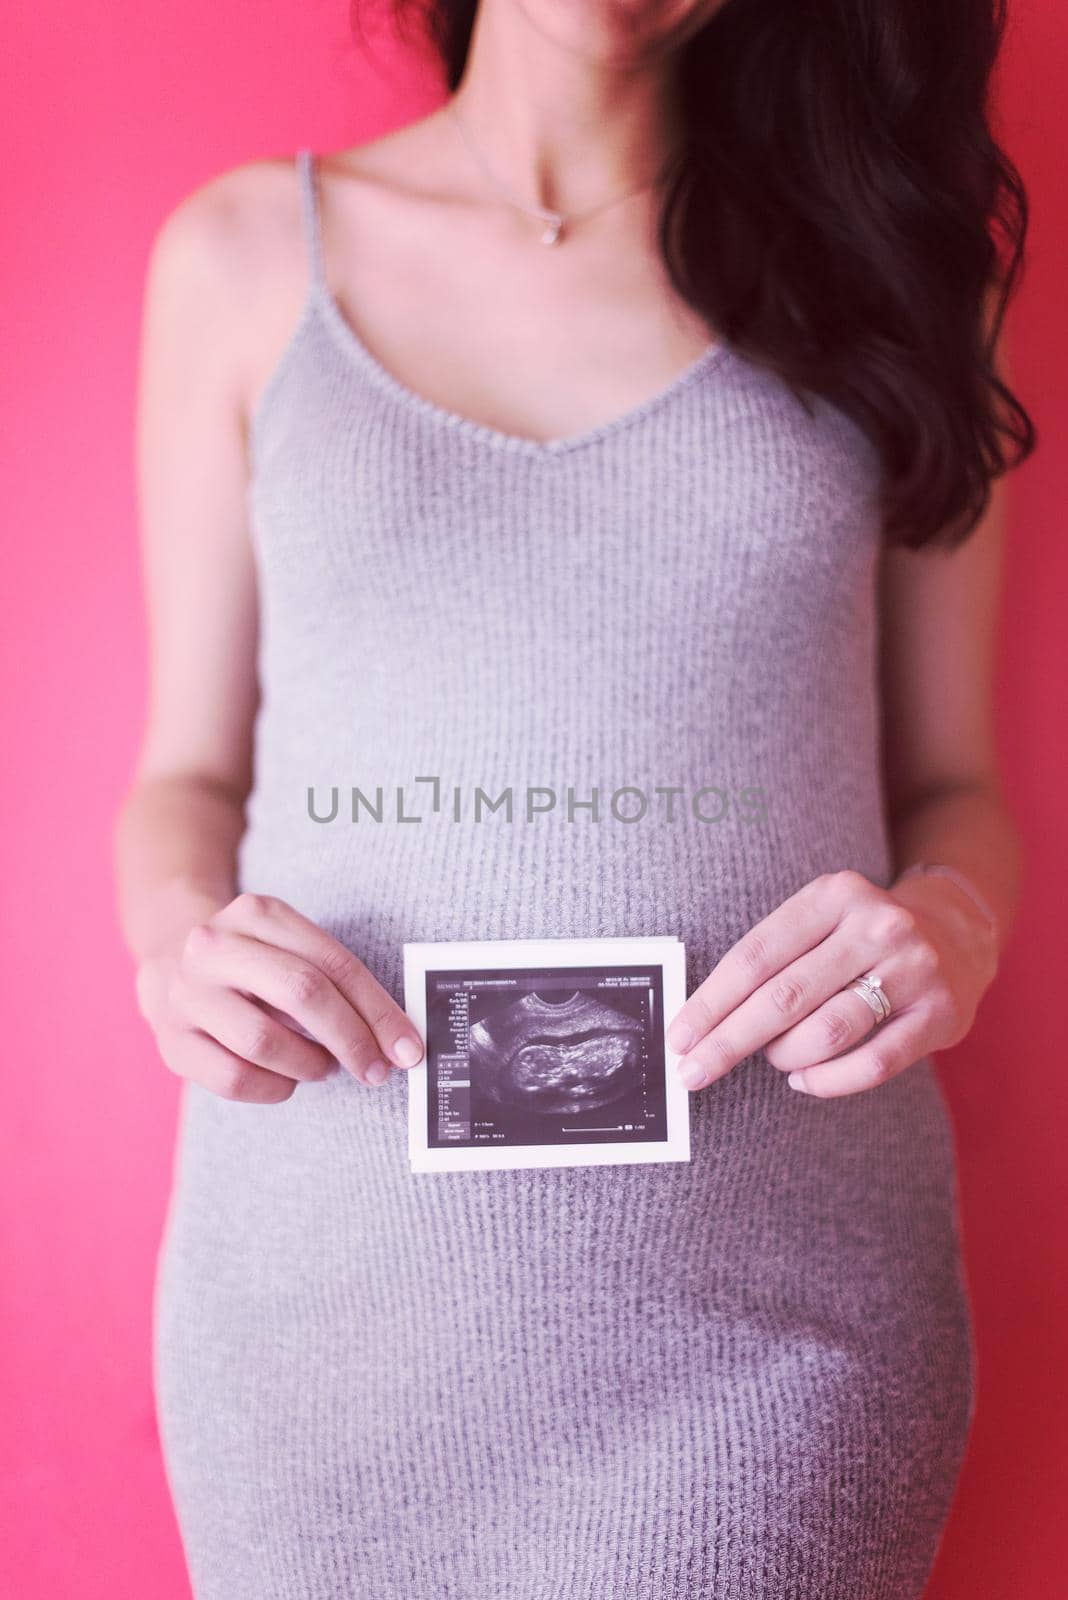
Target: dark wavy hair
[(841, 211)]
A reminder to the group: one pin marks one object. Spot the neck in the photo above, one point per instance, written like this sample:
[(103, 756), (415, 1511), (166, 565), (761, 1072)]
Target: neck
[(564, 126)]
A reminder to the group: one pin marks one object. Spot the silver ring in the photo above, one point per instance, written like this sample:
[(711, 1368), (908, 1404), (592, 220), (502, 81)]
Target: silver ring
[(871, 989)]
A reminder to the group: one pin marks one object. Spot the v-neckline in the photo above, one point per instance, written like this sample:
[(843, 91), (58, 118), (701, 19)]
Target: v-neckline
[(349, 342)]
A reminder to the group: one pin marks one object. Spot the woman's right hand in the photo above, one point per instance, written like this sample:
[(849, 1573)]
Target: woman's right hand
[(258, 998)]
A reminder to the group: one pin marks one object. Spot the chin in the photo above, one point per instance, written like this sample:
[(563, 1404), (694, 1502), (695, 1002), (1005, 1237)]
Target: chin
[(615, 30)]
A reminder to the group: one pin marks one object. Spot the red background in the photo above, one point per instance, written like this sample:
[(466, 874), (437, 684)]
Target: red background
[(115, 113)]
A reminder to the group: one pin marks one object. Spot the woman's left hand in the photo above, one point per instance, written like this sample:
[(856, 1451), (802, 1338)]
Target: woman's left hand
[(786, 986)]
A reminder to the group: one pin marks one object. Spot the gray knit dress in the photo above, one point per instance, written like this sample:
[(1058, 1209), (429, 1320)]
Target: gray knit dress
[(749, 1375)]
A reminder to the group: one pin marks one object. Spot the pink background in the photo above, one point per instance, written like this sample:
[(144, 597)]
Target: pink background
[(115, 112)]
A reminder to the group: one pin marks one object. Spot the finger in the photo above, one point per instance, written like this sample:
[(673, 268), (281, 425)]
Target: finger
[(788, 996), (205, 1061), (889, 1049), (795, 926), (213, 954), (843, 1021), (246, 1029), (275, 921)]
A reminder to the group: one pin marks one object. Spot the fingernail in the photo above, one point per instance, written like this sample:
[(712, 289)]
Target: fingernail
[(796, 1081), (692, 1074), (680, 1036), (377, 1072), (406, 1052)]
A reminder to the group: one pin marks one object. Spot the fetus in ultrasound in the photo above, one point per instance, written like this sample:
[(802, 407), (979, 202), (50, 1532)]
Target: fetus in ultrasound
[(559, 1058)]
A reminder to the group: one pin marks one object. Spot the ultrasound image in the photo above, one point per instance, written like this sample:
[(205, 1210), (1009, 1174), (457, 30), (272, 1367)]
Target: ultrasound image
[(570, 1056), (557, 1056)]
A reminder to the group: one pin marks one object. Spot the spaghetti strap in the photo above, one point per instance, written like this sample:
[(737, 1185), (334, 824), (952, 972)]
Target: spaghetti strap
[(310, 208)]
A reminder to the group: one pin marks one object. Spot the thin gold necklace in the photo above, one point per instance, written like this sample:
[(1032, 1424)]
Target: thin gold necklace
[(555, 221)]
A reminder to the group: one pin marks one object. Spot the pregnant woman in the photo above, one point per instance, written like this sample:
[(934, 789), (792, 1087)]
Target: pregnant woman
[(626, 425)]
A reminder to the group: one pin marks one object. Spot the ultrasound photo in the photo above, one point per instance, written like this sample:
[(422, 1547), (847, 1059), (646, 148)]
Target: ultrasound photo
[(545, 1062)]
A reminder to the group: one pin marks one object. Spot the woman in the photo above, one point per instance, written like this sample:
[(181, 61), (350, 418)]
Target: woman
[(628, 423)]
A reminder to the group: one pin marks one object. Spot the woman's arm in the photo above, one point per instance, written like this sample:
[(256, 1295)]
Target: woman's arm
[(244, 994), (177, 832), (940, 624), (941, 616)]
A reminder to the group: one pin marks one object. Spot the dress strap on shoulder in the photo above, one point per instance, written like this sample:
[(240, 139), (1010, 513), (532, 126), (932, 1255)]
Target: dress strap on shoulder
[(311, 210)]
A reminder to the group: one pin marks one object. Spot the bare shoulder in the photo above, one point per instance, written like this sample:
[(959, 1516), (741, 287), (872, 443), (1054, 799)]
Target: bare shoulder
[(228, 268), (226, 276), (217, 239)]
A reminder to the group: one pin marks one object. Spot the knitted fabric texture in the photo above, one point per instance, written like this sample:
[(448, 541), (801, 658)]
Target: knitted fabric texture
[(745, 1376)]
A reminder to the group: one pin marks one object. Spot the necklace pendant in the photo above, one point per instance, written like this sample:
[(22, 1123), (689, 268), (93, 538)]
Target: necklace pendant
[(553, 229)]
